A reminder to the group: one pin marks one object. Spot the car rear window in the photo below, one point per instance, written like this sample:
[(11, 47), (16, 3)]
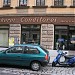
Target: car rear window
[(44, 49)]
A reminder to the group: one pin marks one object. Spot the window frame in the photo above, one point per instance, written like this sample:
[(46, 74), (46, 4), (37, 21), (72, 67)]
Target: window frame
[(58, 2), (10, 49), (6, 3), (40, 3), (23, 2), (73, 2), (29, 50)]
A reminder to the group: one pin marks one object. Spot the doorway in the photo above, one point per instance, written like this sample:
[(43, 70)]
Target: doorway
[(61, 37)]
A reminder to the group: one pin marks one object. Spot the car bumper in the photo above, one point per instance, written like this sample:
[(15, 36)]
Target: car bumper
[(45, 62)]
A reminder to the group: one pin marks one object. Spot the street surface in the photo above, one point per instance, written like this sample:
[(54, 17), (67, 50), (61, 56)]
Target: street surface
[(48, 70)]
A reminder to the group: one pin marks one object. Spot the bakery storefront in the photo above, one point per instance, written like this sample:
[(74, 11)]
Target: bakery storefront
[(43, 30)]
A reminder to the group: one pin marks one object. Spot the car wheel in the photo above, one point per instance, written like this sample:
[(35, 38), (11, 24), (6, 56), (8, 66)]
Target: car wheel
[(53, 64), (35, 66)]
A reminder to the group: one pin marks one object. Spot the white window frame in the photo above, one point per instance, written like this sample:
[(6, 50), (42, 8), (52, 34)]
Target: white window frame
[(23, 2)]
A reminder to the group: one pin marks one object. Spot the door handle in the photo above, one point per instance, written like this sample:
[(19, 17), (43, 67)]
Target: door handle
[(18, 56)]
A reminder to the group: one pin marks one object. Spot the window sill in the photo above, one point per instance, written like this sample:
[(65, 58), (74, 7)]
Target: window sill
[(6, 7), (40, 6), (58, 6), (22, 7), (72, 6)]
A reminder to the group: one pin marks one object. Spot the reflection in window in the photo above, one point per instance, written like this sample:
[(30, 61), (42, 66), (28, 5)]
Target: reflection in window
[(30, 50), (15, 50), (6, 2), (23, 2), (58, 2), (40, 2), (73, 2)]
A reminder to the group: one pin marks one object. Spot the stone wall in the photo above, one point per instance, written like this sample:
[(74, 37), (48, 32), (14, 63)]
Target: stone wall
[(15, 32), (47, 36)]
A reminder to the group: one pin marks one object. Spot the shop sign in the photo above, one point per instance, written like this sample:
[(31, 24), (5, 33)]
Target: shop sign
[(36, 20)]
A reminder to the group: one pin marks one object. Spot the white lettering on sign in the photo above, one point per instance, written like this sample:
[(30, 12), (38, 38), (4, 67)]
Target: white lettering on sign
[(7, 20)]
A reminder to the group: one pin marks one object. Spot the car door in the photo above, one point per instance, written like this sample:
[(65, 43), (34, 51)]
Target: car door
[(12, 55), (30, 54)]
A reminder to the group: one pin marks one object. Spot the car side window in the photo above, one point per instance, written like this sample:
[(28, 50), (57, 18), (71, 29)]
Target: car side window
[(16, 49), (31, 50)]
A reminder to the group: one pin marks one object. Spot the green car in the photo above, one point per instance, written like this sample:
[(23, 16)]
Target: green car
[(30, 55)]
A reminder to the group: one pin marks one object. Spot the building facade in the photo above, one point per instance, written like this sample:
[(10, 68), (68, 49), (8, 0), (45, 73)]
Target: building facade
[(42, 21)]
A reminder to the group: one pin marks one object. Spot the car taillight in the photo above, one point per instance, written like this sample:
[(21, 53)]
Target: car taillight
[(46, 57)]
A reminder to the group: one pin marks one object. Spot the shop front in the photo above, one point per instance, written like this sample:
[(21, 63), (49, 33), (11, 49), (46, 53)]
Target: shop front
[(44, 30), (66, 34)]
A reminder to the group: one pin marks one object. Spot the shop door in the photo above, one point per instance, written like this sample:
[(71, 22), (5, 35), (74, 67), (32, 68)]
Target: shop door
[(61, 37), (71, 37), (4, 38)]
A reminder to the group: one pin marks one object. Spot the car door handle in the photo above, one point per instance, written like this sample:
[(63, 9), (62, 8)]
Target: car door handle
[(18, 56)]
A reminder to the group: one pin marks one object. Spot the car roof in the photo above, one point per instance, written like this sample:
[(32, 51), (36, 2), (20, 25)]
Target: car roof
[(27, 45)]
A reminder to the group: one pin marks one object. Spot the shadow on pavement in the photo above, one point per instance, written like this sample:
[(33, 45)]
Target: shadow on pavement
[(14, 66)]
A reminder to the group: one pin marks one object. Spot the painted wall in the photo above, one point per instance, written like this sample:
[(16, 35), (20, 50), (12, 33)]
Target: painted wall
[(31, 10)]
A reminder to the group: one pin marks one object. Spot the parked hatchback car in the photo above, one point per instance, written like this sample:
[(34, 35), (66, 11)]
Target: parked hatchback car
[(31, 55)]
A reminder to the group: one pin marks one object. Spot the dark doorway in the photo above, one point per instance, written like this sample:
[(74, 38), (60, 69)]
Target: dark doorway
[(61, 37), (68, 34)]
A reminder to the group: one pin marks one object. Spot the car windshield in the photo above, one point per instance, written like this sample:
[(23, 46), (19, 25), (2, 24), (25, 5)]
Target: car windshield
[(44, 49)]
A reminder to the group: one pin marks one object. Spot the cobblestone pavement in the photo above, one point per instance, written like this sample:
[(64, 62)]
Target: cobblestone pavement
[(48, 70)]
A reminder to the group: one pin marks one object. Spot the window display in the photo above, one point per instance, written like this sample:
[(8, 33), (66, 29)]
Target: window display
[(64, 37)]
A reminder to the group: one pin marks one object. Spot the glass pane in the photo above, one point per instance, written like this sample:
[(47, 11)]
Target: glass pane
[(15, 50), (61, 37), (73, 2), (37, 2), (7, 2), (58, 2), (31, 34), (23, 2), (72, 37), (42, 2)]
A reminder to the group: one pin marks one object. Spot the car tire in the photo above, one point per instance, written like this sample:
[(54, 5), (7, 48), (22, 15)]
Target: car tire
[(53, 64), (35, 66)]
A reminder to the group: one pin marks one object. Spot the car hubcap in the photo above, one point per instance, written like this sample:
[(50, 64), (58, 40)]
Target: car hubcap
[(35, 66)]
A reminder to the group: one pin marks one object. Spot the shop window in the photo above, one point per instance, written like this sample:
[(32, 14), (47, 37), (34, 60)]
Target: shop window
[(31, 34), (58, 2), (40, 2), (72, 37), (64, 37), (61, 37), (6, 3), (23, 3)]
